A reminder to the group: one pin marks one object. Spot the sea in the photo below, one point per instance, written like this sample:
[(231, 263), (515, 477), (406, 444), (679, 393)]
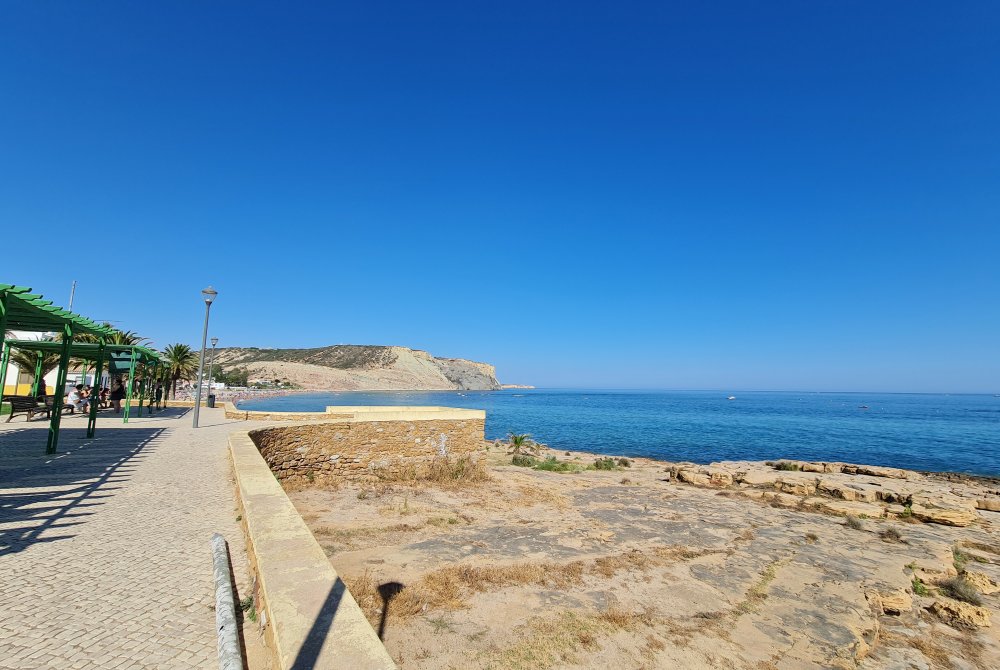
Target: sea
[(944, 433)]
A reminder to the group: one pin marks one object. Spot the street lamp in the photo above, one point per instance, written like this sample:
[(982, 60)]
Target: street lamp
[(209, 295), (211, 365)]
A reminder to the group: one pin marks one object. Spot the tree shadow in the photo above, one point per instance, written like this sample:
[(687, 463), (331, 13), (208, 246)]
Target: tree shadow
[(40, 494)]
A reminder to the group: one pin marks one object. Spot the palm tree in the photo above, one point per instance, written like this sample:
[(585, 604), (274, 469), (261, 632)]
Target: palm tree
[(182, 363), (25, 361), (116, 337), (521, 443)]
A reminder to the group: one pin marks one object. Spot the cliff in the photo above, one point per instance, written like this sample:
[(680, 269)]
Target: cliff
[(350, 367)]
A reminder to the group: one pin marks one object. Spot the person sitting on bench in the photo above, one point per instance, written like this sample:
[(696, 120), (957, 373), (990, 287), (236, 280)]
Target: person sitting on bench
[(76, 400)]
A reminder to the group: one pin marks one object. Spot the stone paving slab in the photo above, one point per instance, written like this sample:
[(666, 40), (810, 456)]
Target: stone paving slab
[(105, 558)]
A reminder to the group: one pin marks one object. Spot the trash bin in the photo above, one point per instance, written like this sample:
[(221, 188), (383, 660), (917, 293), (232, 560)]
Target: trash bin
[(211, 400)]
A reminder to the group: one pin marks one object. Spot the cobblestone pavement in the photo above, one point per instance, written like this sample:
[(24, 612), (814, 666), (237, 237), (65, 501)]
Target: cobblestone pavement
[(105, 558)]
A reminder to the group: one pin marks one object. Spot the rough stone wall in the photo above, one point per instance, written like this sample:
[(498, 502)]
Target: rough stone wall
[(361, 450)]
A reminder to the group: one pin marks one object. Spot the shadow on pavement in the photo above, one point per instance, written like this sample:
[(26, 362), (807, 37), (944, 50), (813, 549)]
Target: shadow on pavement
[(45, 495)]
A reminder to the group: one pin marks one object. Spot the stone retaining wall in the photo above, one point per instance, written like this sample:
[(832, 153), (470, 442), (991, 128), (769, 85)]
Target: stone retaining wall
[(363, 447), (309, 617)]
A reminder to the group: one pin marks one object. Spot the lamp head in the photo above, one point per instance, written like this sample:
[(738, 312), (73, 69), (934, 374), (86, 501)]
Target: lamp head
[(209, 295), (215, 341)]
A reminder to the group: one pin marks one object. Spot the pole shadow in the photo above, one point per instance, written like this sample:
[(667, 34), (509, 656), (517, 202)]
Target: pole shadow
[(321, 628)]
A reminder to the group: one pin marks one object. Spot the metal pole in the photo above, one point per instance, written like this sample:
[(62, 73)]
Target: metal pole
[(95, 398), (4, 360), (201, 364), (128, 389), (57, 402), (72, 293), (211, 368), (38, 374)]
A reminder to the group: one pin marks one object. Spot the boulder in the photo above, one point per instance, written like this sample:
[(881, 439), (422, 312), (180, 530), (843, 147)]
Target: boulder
[(845, 491), (694, 477), (852, 508), (759, 478), (890, 473), (720, 478), (982, 582), (986, 585), (798, 487), (961, 614), (895, 601), (988, 504), (947, 516)]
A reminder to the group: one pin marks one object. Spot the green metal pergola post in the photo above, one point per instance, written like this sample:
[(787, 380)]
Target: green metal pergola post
[(92, 420), (128, 389), (4, 360), (38, 374), (3, 338), (142, 389), (57, 402)]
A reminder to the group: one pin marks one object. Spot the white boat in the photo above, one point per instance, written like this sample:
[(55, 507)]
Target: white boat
[(732, 397)]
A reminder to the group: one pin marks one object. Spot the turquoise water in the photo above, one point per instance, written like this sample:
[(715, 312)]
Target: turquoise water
[(957, 433)]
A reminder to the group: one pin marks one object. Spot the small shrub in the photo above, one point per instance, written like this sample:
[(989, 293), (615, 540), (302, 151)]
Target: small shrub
[(785, 465), (890, 534), (624, 462), (550, 464), (812, 538), (626, 480), (854, 523), (523, 461), (363, 494), (961, 558), (250, 607), (605, 464), (960, 589), (919, 588)]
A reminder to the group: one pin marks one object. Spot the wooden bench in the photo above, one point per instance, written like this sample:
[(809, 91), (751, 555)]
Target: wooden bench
[(26, 404), (50, 401)]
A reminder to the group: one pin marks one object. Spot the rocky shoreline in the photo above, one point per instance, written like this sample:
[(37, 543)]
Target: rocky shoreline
[(650, 564), (845, 488)]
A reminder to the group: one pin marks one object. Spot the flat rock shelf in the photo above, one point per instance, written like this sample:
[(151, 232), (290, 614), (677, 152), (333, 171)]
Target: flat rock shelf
[(665, 565)]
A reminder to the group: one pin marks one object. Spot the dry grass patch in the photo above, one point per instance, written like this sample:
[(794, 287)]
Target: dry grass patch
[(544, 642), (442, 471), (450, 587), (622, 619), (757, 593)]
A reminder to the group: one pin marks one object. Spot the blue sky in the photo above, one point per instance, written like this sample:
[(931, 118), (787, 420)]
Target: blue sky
[(667, 195)]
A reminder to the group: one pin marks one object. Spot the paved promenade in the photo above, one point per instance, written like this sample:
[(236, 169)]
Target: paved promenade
[(105, 557)]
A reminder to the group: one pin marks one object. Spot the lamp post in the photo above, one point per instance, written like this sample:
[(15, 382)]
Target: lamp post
[(209, 295), (211, 364)]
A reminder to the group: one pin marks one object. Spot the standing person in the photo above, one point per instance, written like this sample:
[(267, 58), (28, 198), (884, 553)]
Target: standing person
[(117, 395), (158, 394)]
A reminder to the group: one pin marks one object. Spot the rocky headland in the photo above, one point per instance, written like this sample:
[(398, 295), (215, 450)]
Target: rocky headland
[(570, 561), (348, 367)]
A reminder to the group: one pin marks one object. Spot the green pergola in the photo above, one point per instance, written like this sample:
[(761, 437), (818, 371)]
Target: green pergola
[(20, 309), (116, 358)]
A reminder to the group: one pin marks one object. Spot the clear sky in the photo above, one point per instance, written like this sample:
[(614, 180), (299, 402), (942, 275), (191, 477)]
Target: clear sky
[(798, 195)]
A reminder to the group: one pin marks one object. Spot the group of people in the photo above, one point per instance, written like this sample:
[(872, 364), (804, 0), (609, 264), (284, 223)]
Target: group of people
[(81, 396)]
